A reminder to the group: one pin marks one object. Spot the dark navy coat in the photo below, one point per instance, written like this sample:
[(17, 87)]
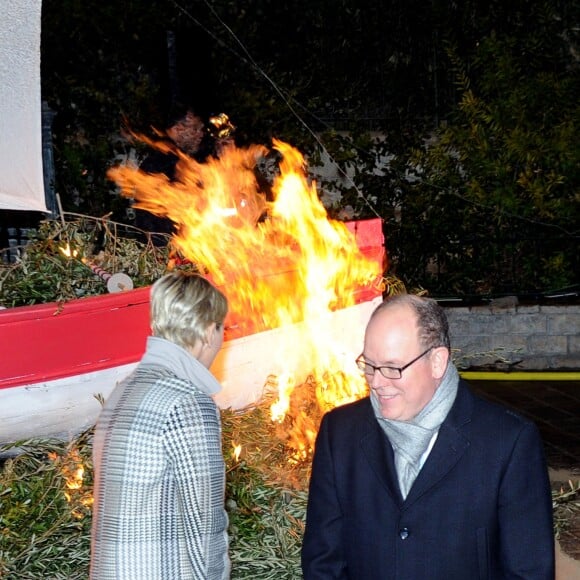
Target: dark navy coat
[(480, 508)]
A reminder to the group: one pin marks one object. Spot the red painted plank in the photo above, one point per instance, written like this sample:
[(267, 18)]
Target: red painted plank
[(50, 341)]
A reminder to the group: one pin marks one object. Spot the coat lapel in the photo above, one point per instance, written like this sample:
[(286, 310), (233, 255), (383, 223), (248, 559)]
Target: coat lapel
[(449, 447), (377, 450)]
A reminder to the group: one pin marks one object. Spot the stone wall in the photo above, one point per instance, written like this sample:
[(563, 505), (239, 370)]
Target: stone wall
[(512, 337)]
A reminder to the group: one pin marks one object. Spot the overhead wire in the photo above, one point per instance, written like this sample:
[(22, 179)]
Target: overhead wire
[(249, 60), (285, 98)]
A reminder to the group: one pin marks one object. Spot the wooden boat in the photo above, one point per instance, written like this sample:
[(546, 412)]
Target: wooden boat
[(58, 359)]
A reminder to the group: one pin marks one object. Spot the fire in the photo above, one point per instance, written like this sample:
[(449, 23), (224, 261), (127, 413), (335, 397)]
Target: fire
[(77, 493), (278, 257), (75, 480), (68, 251), (286, 384)]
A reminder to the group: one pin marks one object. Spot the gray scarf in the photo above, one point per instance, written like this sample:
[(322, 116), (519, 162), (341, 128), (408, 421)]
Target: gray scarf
[(410, 439), (166, 354)]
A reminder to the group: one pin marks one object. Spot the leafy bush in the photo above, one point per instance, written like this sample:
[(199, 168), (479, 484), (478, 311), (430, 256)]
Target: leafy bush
[(43, 272), (46, 535)]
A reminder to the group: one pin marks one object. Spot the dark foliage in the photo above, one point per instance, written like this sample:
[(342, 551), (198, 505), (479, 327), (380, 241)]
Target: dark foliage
[(490, 86)]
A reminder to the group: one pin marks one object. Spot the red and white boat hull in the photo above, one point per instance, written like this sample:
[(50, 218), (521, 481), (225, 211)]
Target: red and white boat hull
[(58, 359)]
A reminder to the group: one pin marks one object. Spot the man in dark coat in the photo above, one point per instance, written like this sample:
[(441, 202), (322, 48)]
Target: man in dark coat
[(422, 480)]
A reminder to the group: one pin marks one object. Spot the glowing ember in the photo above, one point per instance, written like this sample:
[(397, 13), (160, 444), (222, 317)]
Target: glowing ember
[(68, 252), (280, 262), (78, 494), (76, 479)]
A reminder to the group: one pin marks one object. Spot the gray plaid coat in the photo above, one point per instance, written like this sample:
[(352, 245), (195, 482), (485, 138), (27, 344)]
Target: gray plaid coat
[(159, 475)]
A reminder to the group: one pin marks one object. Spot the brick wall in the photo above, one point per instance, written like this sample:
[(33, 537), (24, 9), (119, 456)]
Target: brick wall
[(512, 337)]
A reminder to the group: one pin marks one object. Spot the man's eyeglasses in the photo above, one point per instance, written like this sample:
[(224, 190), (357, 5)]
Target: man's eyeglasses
[(387, 372)]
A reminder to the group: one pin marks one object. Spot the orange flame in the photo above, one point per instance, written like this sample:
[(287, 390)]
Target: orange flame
[(280, 262), (279, 408), (77, 494), (68, 251), (75, 480)]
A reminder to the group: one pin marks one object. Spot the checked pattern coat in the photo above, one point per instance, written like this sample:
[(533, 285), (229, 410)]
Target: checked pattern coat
[(159, 482)]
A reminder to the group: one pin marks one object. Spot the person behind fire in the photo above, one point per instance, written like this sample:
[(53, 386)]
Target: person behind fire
[(185, 135), (422, 479), (159, 473)]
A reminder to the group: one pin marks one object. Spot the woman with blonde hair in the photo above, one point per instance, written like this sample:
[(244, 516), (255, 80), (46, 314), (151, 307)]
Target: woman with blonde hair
[(158, 466)]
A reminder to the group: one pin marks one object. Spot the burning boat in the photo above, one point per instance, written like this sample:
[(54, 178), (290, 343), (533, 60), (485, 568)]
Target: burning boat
[(300, 287)]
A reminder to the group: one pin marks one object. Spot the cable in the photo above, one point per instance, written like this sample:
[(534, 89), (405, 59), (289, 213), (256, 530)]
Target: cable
[(250, 60)]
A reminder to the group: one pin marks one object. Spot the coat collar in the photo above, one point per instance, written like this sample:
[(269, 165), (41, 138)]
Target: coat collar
[(451, 444)]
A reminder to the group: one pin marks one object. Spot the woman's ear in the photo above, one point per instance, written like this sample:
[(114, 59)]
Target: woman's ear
[(210, 334), (439, 361)]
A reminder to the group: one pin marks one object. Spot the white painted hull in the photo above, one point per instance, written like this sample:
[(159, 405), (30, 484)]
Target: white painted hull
[(64, 407)]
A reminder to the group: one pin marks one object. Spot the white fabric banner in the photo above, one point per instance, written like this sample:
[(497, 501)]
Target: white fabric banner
[(21, 178)]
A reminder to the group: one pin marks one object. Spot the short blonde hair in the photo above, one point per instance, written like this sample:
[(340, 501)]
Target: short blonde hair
[(183, 306)]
